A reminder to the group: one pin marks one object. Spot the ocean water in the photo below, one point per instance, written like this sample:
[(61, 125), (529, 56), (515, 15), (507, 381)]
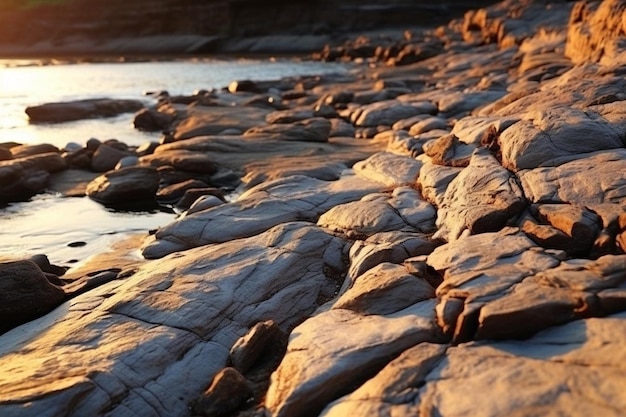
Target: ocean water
[(71, 230)]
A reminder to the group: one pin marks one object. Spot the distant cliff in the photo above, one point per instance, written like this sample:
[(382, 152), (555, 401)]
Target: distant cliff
[(171, 26)]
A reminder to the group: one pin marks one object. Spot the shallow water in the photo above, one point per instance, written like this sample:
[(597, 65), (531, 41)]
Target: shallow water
[(52, 225), (27, 85)]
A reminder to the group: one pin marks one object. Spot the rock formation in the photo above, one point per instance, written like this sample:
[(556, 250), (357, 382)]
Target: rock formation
[(463, 253)]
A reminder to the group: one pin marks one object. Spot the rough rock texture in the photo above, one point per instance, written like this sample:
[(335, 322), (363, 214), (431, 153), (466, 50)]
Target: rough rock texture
[(596, 32), (557, 370), (320, 366), (451, 243), (482, 198), (21, 178), (260, 208), (161, 334)]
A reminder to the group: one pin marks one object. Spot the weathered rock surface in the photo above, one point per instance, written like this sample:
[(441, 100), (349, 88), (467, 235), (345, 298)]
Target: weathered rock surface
[(161, 333), (403, 210), (482, 198), (390, 169), (556, 371), (258, 209), (320, 366), (127, 185), (81, 109)]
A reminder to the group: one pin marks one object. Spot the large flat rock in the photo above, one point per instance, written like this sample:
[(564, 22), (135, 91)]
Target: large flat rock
[(149, 344)]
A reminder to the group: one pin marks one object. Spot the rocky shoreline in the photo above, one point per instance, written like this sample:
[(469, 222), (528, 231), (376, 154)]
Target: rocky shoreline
[(440, 233)]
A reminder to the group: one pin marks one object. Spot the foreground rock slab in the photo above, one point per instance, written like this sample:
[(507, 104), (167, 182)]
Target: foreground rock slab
[(152, 343)]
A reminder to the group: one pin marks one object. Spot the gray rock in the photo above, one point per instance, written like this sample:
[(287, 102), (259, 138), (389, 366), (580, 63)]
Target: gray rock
[(81, 109), (384, 289), (542, 136), (22, 178), (181, 160), (127, 161), (389, 112), (152, 120), (480, 268), (262, 338), (161, 333), (23, 151), (393, 390), (127, 185), (106, 158), (586, 180)]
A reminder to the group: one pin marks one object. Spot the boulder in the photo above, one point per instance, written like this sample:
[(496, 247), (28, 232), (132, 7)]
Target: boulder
[(584, 180), (106, 157), (320, 366), (384, 289), (153, 120), (554, 372), (23, 151), (228, 393), (482, 198), (25, 294), (22, 178), (181, 160), (403, 210), (388, 168), (125, 186), (389, 112), (81, 109)]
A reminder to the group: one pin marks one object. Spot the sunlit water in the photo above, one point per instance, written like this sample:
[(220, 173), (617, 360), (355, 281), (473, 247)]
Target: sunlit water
[(52, 225)]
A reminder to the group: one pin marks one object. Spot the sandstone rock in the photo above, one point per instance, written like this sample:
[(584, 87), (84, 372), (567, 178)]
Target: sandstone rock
[(449, 151), (258, 209), (389, 169), (479, 268), (553, 372), (384, 289), (595, 30), (25, 294), (394, 247), (403, 210), (393, 390), (557, 132), (482, 198), (430, 123), (320, 366), (552, 297), (181, 160), (260, 340), (587, 180), (81, 109), (127, 185), (201, 120), (310, 130), (434, 180)]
